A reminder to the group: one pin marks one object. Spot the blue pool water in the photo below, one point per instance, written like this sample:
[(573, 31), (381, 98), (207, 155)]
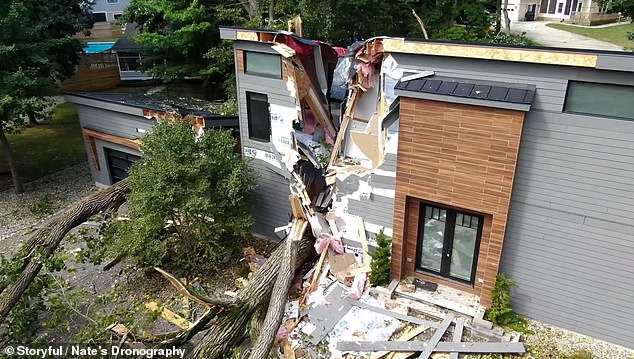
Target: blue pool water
[(95, 47)]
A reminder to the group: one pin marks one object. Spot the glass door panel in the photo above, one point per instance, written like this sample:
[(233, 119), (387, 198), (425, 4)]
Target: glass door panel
[(433, 238), (464, 243), (449, 242)]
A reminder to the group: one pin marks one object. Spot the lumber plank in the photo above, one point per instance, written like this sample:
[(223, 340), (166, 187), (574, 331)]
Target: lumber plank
[(442, 347), (169, 315), (396, 315), (435, 339), (403, 337), (457, 336)]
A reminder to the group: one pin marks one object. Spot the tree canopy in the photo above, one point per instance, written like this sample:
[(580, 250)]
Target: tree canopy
[(200, 186), (625, 7), (37, 50), (181, 38)]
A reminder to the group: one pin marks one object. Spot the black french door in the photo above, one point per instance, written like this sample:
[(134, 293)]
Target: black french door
[(448, 242)]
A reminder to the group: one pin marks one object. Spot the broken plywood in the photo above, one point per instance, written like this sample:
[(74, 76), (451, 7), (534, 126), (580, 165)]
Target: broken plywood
[(537, 56)]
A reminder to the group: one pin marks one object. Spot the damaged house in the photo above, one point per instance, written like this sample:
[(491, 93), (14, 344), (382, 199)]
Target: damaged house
[(476, 159)]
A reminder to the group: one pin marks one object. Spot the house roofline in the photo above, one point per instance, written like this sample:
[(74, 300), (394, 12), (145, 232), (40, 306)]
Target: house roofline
[(599, 59)]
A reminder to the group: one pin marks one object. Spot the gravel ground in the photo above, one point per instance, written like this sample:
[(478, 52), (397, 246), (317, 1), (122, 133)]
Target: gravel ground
[(552, 342), (71, 184), (61, 188)]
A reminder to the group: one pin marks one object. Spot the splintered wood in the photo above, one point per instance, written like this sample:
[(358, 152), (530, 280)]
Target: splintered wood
[(169, 315)]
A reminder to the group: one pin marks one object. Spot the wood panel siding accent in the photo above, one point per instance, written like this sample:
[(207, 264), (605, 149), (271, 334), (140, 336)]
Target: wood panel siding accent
[(463, 157), (91, 135), (240, 61), (94, 72)]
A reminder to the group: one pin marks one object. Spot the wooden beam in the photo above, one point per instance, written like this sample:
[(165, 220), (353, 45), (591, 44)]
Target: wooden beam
[(134, 144), (247, 35), (396, 315), (537, 56), (457, 336), (442, 347), (402, 337), (435, 339), (169, 315)]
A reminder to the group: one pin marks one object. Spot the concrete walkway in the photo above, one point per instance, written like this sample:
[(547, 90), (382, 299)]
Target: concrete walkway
[(547, 36)]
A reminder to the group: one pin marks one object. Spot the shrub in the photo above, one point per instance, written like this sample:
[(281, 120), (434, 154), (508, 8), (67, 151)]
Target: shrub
[(381, 260), (189, 204), (501, 312)]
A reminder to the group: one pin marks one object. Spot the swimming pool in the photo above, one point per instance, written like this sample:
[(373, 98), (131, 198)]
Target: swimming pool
[(95, 47)]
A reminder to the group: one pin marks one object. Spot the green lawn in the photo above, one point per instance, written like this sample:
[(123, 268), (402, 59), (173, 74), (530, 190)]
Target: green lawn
[(46, 148), (614, 34)]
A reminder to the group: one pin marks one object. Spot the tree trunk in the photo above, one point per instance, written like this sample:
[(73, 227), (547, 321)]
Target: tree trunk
[(44, 242), (231, 327), (32, 118), (507, 21), (277, 304), (8, 154), (271, 13), (498, 18)]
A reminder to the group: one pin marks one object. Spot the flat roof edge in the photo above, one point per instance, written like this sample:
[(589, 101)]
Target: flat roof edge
[(598, 59), (465, 100)]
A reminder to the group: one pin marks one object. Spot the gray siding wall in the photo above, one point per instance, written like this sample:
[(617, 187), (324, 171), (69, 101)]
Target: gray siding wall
[(272, 208), (377, 209), (570, 237), (110, 9), (113, 123)]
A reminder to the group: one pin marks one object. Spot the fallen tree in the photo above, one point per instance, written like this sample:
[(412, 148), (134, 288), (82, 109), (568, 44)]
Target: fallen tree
[(43, 243), (232, 325)]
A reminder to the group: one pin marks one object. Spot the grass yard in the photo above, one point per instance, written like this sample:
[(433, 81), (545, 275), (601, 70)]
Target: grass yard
[(46, 148), (613, 34)]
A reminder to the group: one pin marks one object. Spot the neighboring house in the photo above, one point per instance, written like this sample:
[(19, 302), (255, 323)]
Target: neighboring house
[(477, 159), (113, 124), (582, 12), (109, 10), (129, 56)]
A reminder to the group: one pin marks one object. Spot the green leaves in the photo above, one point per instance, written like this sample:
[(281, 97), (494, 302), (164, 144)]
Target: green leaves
[(381, 260), (36, 51), (190, 200), (501, 310)]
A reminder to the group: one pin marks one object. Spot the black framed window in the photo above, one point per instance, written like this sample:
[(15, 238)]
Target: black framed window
[(258, 116), (99, 16), (119, 163), (589, 98), (448, 243), (262, 64)]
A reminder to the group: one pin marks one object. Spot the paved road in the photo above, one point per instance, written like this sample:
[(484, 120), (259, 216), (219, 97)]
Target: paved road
[(546, 36)]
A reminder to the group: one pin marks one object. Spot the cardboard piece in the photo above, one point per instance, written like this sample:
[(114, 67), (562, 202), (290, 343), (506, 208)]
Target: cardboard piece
[(341, 266)]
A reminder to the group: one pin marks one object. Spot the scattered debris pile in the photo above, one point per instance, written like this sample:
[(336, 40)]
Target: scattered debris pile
[(316, 146), (330, 311)]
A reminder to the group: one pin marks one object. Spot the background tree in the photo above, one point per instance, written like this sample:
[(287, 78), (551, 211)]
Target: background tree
[(625, 7), (180, 37), (37, 50), (200, 187)]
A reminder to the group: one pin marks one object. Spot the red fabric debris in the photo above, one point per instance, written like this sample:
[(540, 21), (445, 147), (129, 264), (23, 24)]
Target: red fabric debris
[(301, 49), (341, 51)]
